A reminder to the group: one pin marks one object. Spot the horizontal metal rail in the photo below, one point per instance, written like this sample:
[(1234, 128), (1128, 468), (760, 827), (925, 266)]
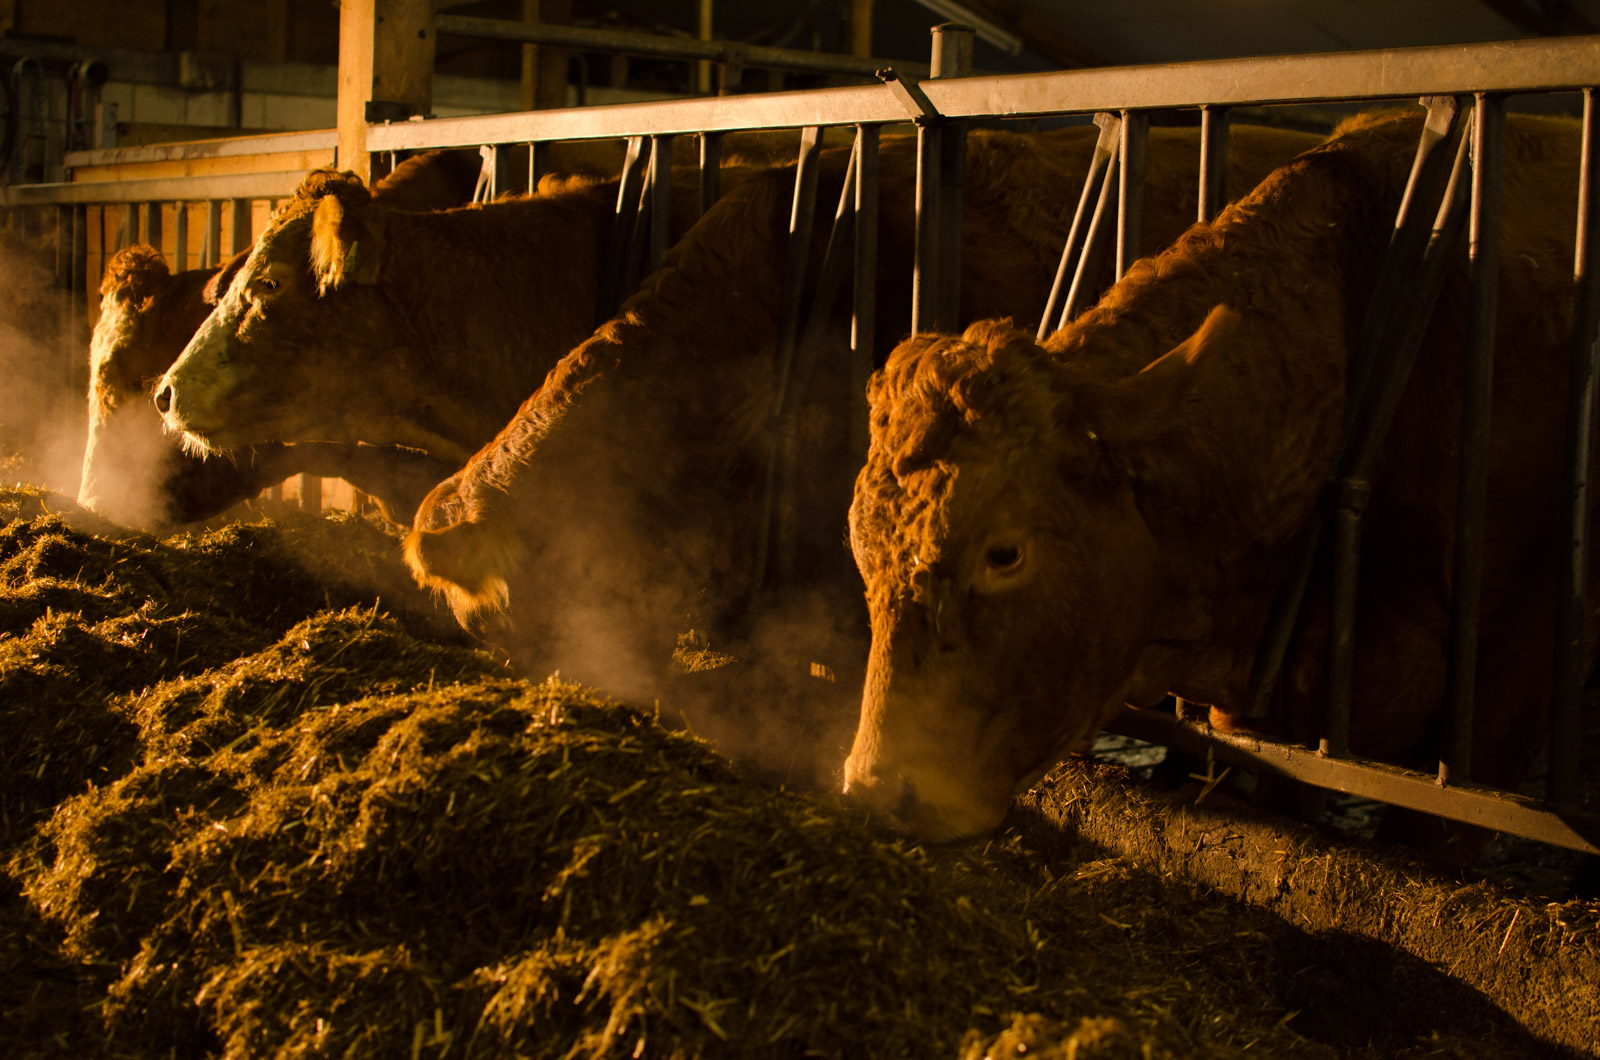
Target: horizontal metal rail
[(1485, 807), (159, 189), (236, 147), (1551, 65), (662, 46)]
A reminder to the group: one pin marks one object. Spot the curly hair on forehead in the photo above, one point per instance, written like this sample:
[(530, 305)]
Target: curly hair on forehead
[(132, 270), (342, 184), (935, 386)]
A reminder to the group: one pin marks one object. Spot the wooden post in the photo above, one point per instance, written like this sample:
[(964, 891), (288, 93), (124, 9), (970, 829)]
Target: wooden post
[(386, 57)]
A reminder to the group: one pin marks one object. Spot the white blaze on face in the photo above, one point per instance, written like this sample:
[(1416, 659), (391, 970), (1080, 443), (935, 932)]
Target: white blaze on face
[(194, 391)]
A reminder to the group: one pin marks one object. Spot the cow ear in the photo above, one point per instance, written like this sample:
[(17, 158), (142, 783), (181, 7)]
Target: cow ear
[(1146, 404), (346, 245), (216, 288)]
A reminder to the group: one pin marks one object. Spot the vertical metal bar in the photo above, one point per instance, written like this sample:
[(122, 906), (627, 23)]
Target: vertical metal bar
[(1358, 462), (213, 239), (152, 224), (241, 236), (952, 57), (1428, 172), (1105, 149), (538, 163), (483, 189), (628, 200), (925, 270), (1563, 782), (660, 199), (710, 170), (1094, 243), (180, 238), (864, 320), (1488, 172), (1130, 188), (776, 494), (1213, 161)]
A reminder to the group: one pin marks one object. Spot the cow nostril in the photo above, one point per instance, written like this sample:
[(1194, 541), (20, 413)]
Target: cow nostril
[(164, 400)]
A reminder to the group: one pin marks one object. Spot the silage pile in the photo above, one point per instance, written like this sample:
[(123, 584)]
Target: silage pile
[(252, 810)]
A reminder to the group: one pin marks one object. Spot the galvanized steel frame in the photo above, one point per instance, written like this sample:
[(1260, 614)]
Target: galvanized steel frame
[(1487, 73)]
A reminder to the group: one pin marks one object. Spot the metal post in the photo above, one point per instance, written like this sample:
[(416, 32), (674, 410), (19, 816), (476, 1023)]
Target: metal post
[(1105, 151), (1213, 161), (1488, 171), (710, 170), (1094, 244), (628, 203), (1130, 188), (152, 224), (864, 320), (538, 163), (952, 57), (241, 236), (1358, 462), (212, 247), (1573, 555), (925, 271), (660, 200), (180, 238)]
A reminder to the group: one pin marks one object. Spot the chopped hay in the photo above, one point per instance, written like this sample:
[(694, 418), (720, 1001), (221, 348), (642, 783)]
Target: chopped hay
[(250, 812)]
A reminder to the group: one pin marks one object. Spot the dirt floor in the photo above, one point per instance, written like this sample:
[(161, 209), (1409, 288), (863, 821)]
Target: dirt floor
[(259, 799)]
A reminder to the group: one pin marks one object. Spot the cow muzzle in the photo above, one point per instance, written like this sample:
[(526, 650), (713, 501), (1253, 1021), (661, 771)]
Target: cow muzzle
[(925, 804)]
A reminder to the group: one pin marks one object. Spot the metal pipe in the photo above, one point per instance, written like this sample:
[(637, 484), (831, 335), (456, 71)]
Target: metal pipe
[(952, 57), (1130, 188), (710, 170), (1563, 779), (1094, 243), (659, 45), (1105, 149), (925, 270), (660, 200), (1213, 162), (1488, 179), (1358, 461), (628, 200), (864, 320)]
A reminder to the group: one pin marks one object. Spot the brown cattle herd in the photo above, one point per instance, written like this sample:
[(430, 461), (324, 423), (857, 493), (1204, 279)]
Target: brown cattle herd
[(1043, 531)]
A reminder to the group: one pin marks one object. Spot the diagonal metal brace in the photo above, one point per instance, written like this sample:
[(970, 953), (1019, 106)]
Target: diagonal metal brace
[(921, 108)]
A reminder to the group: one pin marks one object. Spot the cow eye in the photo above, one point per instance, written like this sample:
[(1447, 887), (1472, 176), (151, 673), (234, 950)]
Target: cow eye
[(1000, 559), (268, 284)]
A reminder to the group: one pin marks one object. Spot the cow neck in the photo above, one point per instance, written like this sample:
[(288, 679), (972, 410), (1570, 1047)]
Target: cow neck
[(495, 296), (1226, 487)]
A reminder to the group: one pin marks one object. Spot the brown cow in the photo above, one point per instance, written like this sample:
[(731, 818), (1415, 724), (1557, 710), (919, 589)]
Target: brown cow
[(1049, 533), (133, 473), (627, 491)]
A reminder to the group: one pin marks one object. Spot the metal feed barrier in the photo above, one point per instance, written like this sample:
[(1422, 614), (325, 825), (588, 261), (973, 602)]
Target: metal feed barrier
[(1441, 199)]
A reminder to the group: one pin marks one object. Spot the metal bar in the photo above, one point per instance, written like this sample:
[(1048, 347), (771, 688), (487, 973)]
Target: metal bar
[(1130, 188), (628, 202), (1105, 149), (1405, 241), (1539, 65), (1358, 460), (951, 57), (660, 200), (1488, 178), (212, 252), (864, 320), (152, 224), (1573, 555), (483, 187), (241, 236), (180, 238), (925, 270), (163, 189), (776, 493), (538, 163), (1484, 807), (1213, 161), (1094, 243), (659, 45), (710, 170), (233, 147)]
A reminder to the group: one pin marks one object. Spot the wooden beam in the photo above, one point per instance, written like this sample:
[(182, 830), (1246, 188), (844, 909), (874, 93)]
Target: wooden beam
[(386, 50)]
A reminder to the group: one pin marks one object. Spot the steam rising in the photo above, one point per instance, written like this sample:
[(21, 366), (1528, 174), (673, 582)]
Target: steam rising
[(41, 405)]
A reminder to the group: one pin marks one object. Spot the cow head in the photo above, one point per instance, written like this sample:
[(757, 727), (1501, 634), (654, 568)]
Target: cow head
[(302, 344), (1012, 578)]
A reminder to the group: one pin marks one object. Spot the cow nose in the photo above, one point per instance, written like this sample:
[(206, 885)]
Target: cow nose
[(164, 399), (894, 798)]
